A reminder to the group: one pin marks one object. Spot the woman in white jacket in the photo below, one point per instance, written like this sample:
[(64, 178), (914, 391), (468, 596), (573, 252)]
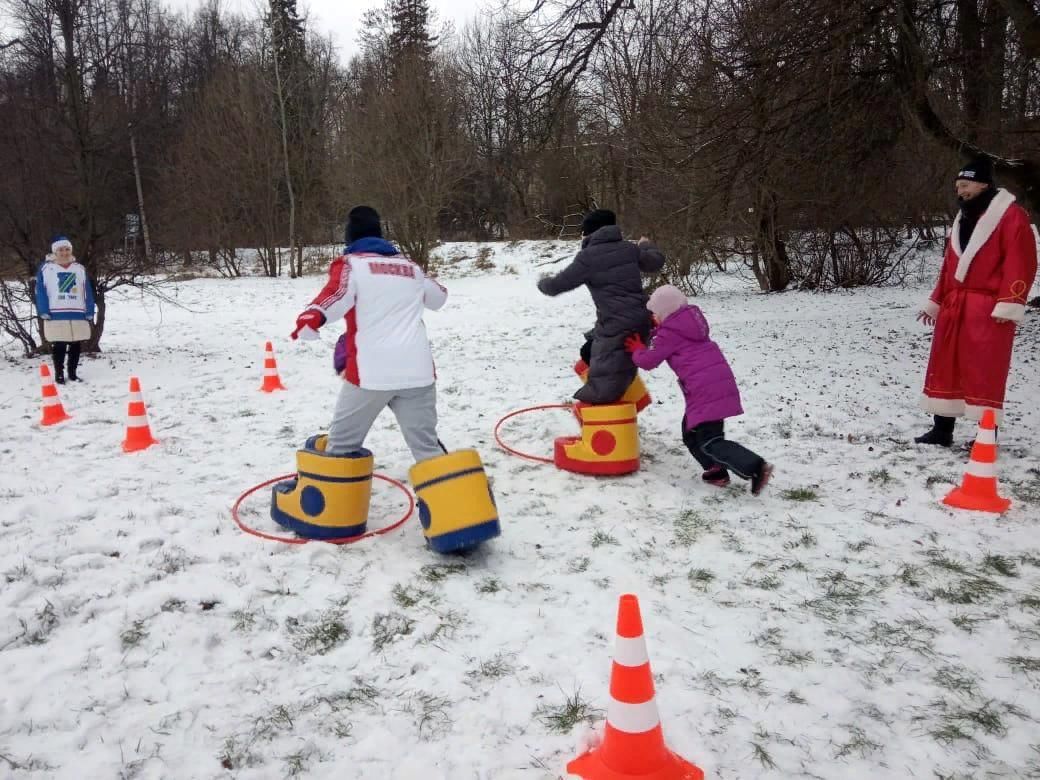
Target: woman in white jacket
[(65, 303)]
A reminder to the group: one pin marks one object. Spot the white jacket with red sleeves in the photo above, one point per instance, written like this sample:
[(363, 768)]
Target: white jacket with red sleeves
[(382, 295)]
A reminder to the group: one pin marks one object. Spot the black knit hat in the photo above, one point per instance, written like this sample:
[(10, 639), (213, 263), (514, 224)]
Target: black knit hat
[(979, 169), (596, 219), (363, 222)]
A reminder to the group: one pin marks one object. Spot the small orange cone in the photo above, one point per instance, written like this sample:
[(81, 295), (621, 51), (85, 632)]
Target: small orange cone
[(272, 381), (633, 745), (979, 490), (53, 411), (138, 432)]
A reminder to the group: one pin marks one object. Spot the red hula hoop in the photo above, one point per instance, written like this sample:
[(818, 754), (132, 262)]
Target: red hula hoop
[(511, 415), (298, 540)]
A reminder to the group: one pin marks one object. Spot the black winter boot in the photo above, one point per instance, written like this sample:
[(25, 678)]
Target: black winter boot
[(941, 434), (58, 351), (74, 351)]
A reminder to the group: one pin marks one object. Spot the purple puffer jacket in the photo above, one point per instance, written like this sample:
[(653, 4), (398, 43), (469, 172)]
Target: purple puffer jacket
[(704, 375)]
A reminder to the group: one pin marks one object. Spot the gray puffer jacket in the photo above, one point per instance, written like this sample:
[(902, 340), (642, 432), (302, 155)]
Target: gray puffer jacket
[(611, 268)]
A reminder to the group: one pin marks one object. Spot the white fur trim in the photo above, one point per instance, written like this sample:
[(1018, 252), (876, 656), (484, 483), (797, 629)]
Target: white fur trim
[(62, 244), (1016, 312), (985, 228), (956, 407), (944, 407), (931, 308)]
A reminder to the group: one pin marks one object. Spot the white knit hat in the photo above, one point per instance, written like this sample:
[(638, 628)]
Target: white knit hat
[(665, 301), (60, 243)]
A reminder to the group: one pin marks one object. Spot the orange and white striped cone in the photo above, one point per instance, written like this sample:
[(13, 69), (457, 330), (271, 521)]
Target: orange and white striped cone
[(53, 411), (979, 490), (633, 744), (272, 381), (138, 431)]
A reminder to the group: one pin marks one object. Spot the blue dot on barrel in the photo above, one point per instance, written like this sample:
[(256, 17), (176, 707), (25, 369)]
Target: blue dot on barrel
[(424, 515), (312, 502)]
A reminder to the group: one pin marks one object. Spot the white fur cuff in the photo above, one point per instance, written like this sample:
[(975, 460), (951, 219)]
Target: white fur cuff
[(1016, 312), (62, 243), (931, 308)]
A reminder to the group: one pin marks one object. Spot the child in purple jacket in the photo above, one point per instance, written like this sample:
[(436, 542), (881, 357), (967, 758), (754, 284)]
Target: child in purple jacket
[(681, 338)]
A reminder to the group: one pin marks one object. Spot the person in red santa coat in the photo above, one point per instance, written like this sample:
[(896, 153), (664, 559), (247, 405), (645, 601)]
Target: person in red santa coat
[(987, 272)]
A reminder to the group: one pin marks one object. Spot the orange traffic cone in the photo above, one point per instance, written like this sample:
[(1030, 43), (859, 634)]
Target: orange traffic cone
[(978, 491), (138, 432), (633, 745), (272, 381), (53, 411)]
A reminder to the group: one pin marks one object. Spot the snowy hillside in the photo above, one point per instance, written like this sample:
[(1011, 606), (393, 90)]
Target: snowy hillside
[(845, 625)]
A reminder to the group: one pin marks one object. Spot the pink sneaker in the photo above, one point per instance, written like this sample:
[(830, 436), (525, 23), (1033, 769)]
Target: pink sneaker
[(761, 479), (717, 476)]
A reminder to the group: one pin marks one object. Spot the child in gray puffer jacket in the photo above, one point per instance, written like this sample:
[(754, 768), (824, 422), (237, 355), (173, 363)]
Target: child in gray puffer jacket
[(612, 269)]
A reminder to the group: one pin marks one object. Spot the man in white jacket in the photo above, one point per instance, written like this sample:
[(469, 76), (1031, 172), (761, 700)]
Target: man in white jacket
[(384, 356)]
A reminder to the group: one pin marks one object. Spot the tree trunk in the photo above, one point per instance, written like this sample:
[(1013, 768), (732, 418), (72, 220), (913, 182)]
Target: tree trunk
[(140, 199), (285, 159), (776, 264), (98, 330)]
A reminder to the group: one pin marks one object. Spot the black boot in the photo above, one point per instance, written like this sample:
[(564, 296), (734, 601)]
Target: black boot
[(74, 361), (941, 434), (58, 353)]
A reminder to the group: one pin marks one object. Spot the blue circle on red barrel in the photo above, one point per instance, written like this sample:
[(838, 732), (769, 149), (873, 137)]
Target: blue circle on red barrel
[(424, 515), (312, 502)]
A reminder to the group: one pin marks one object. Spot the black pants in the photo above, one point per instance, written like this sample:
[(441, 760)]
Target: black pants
[(707, 443), (59, 350)]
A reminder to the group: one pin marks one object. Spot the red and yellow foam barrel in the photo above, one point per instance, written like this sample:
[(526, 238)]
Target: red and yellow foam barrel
[(608, 445), (636, 393), (329, 499), (456, 506)]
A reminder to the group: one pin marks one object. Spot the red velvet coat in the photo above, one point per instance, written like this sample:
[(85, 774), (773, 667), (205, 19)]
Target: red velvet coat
[(987, 281)]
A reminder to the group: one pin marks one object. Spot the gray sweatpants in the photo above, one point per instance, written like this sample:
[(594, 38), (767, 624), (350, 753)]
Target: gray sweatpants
[(357, 409)]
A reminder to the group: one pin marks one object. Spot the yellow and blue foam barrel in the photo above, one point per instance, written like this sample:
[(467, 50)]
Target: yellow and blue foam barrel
[(608, 445), (330, 496), (635, 394), (456, 506)]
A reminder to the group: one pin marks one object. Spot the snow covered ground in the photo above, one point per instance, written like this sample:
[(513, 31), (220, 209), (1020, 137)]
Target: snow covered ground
[(846, 625)]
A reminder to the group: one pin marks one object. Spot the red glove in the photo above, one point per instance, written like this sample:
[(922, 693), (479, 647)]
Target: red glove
[(312, 318), (634, 343)]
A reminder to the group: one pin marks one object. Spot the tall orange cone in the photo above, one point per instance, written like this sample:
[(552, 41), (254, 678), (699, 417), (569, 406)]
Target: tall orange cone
[(138, 431), (978, 490), (53, 411), (633, 745), (272, 381)]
